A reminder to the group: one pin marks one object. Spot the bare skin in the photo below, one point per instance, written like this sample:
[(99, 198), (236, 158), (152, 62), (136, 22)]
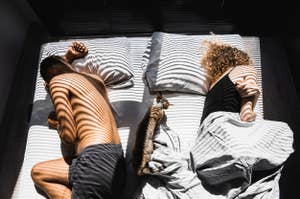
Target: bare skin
[(76, 51), (82, 118), (245, 81)]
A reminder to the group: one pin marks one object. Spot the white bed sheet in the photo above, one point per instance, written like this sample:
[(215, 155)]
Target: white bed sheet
[(130, 105)]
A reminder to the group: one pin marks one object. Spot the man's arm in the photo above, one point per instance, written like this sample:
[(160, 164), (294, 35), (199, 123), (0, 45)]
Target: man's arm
[(66, 124), (76, 50)]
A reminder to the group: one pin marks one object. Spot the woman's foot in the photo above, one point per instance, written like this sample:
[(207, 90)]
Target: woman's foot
[(76, 51)]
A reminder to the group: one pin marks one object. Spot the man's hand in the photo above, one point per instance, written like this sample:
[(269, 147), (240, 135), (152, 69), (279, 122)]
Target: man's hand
[(52, 121), (77, 50)]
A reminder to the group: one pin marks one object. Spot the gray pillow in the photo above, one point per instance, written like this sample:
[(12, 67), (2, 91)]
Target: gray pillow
[(107, 57), (174, 61)]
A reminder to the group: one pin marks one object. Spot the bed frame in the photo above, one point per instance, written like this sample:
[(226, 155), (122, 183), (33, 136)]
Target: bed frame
[(91, 18)]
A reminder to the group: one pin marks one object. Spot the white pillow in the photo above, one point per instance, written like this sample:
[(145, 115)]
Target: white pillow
[(107, 57), (174, 62)]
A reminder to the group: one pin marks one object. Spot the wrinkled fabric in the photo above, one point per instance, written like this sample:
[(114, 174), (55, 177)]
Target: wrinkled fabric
[(172, 175), (98, 172), (227, 150)]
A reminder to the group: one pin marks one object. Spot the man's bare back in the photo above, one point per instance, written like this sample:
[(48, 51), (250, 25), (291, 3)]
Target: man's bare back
[(87, 116)]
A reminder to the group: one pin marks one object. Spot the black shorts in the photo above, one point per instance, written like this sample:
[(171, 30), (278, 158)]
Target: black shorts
[(98, 172)]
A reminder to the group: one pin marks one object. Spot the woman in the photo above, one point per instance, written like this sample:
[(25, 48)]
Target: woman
[(232, 78), (93, 164), (232, 145)]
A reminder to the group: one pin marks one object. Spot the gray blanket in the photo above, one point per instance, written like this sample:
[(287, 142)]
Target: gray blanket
[(225, 154)]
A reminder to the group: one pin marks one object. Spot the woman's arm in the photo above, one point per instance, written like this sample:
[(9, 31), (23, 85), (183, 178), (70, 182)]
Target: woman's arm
[(249, 91), (247, 113)]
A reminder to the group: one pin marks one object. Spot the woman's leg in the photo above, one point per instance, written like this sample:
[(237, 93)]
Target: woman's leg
[(52, 178)]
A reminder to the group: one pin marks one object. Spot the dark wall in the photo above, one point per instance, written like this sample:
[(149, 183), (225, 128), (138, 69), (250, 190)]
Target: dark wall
[(19, 50), (15, 18), (108, 17), (94, 17), (292, 44)]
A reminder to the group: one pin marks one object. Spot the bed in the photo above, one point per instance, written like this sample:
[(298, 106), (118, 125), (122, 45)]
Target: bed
[(130, 105)]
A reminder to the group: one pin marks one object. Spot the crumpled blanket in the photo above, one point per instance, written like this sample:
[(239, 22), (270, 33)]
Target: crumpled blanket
[(228, 152), (173, 174)]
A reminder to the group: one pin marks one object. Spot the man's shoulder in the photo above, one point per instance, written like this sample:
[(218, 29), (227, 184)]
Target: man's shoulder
[(65, 76), (63, 79)]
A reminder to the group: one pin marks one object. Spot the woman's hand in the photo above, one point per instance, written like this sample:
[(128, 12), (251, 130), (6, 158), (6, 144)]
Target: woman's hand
[(77, 50), (246, 89)]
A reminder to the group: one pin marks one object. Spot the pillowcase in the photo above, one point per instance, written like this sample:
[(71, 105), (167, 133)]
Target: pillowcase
[(174, 61), (107, 57)]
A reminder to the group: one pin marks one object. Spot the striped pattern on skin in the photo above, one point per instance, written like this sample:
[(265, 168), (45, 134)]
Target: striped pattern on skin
[(245, 79), (84, 114), (52, 178)]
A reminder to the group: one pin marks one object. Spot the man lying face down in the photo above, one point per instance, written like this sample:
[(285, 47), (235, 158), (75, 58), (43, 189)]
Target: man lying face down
[(93, 164)]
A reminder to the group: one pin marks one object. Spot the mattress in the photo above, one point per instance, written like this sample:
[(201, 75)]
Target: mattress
[(130, 106)]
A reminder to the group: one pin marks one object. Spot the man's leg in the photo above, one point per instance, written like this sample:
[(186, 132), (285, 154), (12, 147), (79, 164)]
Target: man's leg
[(52, 178)]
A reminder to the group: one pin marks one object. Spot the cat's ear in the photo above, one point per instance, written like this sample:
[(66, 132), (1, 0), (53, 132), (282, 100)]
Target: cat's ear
[(159, 97)]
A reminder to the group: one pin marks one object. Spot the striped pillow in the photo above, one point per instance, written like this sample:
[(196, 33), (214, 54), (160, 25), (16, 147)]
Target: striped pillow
[(110, 59), (174, 62), (107, 57)]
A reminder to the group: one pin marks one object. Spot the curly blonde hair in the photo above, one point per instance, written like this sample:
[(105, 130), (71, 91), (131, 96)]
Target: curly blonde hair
[(219, 57)]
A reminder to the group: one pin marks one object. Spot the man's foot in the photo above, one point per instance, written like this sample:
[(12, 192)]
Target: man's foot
[(76, 51)]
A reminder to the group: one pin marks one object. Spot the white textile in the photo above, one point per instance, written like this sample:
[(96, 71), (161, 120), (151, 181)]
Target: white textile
[(226, 152)]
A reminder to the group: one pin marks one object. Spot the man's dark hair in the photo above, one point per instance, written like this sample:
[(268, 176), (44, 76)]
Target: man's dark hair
[(47, 64)]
